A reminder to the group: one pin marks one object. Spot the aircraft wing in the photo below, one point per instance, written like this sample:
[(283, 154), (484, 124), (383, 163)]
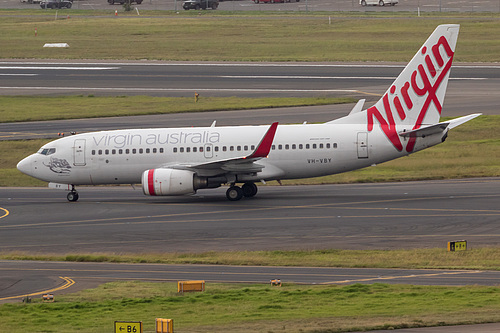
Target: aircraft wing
[(236, 164)]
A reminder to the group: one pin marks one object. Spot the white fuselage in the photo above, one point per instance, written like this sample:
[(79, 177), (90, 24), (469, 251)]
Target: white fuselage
[(298, 151)]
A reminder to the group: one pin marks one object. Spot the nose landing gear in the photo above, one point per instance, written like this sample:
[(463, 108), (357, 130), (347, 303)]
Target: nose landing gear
[(73, 195)]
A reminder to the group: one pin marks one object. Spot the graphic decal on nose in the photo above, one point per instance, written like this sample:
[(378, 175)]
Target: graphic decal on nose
[(58, 165)]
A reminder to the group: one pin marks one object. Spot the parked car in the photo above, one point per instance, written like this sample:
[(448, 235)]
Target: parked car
[(56, 4), (378, 2), (200, 4), (121, 2)]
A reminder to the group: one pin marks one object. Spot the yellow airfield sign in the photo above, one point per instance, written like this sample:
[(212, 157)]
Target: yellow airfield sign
[(128, 326)]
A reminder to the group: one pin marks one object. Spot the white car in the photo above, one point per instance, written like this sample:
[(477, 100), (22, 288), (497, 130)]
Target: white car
[(378, 2)]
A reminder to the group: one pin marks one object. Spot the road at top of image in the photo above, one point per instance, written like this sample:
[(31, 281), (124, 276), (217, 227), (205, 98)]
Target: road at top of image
[(292, 6)]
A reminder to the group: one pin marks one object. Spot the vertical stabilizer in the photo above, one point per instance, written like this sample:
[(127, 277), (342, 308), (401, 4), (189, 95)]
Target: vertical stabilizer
[(416, 97)]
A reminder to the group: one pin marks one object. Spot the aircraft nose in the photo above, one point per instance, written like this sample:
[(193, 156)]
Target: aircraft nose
[(25, 166)]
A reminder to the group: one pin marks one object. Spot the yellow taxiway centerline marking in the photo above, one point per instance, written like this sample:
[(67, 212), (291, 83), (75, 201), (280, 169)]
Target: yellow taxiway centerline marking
[(5, 214), (400, 277), (68, 283)]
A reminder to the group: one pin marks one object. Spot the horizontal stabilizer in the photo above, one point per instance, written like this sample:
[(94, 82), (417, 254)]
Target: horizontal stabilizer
[(459, 121), (358, 107), (425, 131), (438, 128)]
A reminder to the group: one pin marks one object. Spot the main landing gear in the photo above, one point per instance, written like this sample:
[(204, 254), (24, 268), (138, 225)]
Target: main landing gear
[(235, 193), (73, 195)]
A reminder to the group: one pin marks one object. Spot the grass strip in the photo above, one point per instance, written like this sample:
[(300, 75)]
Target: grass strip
[(228, 37), (437, 258), (237, 308), (39, 108)]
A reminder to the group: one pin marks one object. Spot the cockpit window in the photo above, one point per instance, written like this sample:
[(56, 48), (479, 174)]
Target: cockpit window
[(47, 151)]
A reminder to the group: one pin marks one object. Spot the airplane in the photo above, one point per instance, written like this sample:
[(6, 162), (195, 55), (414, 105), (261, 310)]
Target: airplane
[(179, 161)]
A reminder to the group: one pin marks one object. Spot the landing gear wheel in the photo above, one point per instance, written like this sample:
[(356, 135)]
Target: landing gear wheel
[(249, 190), (234, 193), (73, 196)]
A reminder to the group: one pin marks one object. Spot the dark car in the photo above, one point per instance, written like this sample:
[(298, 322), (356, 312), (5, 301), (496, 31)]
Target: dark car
[(56, 4), (121, 2), (200, 4)]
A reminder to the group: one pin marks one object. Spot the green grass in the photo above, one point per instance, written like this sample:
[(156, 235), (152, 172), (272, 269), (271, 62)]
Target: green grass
[(37, 108), (215, 37), (437, 258), (258, 308)]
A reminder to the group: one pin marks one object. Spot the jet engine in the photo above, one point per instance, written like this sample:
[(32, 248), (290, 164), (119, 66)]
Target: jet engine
[(176, 182)]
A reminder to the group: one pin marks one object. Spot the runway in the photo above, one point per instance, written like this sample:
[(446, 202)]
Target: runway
[(356, 216)]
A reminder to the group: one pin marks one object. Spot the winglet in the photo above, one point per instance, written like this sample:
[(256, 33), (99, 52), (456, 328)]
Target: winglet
[(265, 144)]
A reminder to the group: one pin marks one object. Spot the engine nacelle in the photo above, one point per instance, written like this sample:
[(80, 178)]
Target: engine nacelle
[(168, 182)]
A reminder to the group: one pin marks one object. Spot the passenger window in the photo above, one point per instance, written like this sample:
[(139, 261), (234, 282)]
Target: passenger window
[(134, 151), (154, 150), (201, 149), (307, 146), (175, 149), (195, 149), (181, 149), (238, 148), (231, 148), (320, 146), (224, 148), (280, 147), (334, 145), (273, 147), (301, 146), (252, 147), (216, 148), (93, 152), (208, 148), (188, 149), (287, 147), (314, 146), (120, 151), (106, 151), (294, 146), (328, 146), (100, 152), (148, 150), (127, 151), (113, 151), (161, 150), (245, 148)]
